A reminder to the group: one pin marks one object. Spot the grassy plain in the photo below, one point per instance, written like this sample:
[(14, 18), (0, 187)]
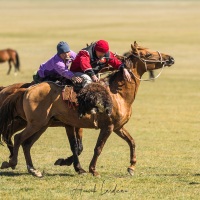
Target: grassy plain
[(165, 122)]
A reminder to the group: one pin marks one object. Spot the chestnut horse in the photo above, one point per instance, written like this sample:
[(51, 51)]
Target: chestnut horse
[(12, 57), (44, 102)]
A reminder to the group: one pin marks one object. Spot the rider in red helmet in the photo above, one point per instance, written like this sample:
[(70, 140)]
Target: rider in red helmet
[(90, 60)]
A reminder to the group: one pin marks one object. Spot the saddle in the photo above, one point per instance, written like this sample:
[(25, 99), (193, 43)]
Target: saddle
[(70, 96)]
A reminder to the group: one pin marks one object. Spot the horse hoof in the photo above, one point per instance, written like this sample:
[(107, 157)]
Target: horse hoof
[(82, 172), (13, 167), (96, 174), (130, 171), (62, 162), (5, 165), (35, 172), (58, 162)]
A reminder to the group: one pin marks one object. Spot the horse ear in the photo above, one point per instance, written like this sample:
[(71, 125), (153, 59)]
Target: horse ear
[(133, 47), (135, 44)]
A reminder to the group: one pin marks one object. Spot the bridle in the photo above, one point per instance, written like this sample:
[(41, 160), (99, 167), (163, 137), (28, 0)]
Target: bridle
[(145, 61)]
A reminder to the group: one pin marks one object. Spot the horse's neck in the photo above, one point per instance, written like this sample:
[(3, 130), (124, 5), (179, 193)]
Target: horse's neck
[(124, 90), (137, 69)]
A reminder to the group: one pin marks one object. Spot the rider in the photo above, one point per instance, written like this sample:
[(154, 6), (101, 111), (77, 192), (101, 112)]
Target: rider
[(57, 67), (90, 60)]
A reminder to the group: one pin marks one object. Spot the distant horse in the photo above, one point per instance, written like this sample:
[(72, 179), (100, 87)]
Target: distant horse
[(44, 101), (12, 57)]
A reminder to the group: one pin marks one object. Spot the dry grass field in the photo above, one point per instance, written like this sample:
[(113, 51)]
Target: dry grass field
[(165, 122)]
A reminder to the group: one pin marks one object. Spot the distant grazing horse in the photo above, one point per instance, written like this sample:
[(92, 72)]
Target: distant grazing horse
[(12, 57), (43, 102)]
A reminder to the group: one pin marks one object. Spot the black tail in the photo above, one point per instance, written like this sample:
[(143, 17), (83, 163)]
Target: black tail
[(17, 66), (8, 112)]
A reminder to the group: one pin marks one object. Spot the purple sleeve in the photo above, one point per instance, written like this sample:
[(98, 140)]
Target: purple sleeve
[(63, 70), (56, 64)]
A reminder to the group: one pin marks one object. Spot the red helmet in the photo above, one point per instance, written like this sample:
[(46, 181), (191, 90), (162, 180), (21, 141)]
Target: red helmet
[(102, 46)]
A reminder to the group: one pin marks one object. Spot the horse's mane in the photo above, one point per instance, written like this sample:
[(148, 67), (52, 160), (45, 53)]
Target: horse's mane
[(1, 88), (110, 77)]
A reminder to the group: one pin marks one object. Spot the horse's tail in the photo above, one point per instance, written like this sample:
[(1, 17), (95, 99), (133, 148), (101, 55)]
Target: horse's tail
[(17, 62), (8, 112)]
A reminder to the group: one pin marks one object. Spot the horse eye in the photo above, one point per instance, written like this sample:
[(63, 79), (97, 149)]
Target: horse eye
[(148, 55), (142, 55)]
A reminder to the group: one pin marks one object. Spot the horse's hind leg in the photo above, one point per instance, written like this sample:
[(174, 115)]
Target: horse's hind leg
[(18, 125), (26, 145), (10, 66), (71, 133), (68, 161), (15, 65), (123, 133), (18, 140)]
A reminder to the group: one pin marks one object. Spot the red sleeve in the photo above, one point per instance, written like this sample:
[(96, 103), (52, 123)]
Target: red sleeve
[(114, 62), (85, 61)]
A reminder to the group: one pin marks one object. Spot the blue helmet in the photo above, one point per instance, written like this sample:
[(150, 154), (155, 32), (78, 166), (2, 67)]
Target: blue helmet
[(62, 47)]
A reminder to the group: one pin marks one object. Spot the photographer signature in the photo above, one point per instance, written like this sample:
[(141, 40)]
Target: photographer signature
[(103, 190)]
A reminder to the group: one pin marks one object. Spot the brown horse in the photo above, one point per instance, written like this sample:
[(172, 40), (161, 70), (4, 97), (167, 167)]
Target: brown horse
[(44, 102), (19, 123), (12, 57)]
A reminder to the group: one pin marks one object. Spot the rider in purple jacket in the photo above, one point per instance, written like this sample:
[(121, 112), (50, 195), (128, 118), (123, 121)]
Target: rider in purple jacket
[(57, 67)]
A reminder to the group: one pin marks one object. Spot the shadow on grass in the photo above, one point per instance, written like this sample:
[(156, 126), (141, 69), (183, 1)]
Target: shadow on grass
[(174, 175), (59, 174), (168, 174), (12, 174), (179, 175), (15, 174), (196, 174), (194, 183)]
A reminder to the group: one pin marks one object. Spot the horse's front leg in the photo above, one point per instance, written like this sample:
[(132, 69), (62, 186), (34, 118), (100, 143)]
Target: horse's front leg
[(124, 134), (71, 133), (17, 125), (103, 136), (68, 161)]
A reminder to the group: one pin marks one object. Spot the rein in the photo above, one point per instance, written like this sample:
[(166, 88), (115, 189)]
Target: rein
[(145, 64)]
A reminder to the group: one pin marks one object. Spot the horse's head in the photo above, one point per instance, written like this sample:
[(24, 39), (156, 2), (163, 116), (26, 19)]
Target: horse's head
[(147, 59)]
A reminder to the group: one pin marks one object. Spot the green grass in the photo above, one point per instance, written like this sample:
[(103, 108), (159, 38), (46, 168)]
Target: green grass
[(165, 122)]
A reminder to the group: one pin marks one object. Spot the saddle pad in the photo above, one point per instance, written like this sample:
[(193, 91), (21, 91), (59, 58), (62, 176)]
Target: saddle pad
[(68, 94)]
